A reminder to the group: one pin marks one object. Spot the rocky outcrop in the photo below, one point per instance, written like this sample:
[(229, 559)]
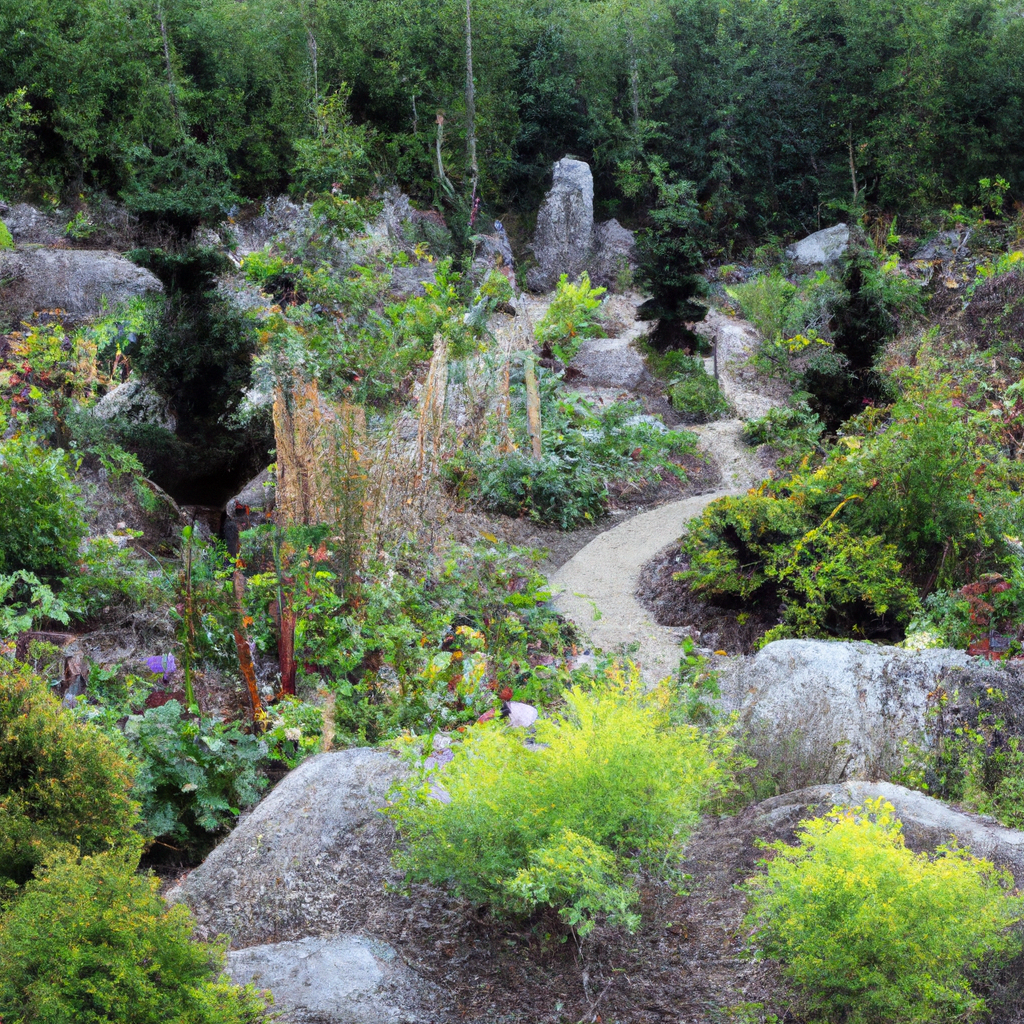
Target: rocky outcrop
[(408, 282), (563, 241), (927, 822), (567, 241), (340, 979), (820, 249), (82, 283), (137, 402), (29, 225), (614, 256), (252, 506), (311, 859), (849, 707)]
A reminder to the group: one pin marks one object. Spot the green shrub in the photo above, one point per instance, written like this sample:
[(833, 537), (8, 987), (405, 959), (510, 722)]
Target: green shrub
[(792, 430), (61, 781), (195, 774), (765, 303), (42, 521), (557, 824), (574, 314), (911, 495), (583, 452), (6, 240), (697, 393), (871, 932), (92, 942)]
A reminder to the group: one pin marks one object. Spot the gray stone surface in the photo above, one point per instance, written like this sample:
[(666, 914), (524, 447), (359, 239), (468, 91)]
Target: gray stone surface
[(252, 506), (563, 240), (407, 282), (927, 822), (79, 281), (614, 255), (29, 225), (310, 859), (821, 248), (338, 979), (859, 698), (609, 363), (137, 402)]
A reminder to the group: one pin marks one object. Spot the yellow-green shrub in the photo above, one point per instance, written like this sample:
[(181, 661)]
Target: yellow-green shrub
[(872, 933), (556, 825), (61, 781), (92, 942)]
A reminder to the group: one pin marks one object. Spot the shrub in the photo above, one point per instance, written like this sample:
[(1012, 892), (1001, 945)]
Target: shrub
[(792, 430), (921, 477), (61, 781), (872, 932), (555, 824), (91, 941), (42, 521), (195, 774), (583, 451), (697, 393), (765, 303), (574, 314)]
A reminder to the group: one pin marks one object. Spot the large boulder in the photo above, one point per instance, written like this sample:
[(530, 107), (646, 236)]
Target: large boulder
[(927, 822), (820, 249), (563, 241), (339, 979), (137, 402), (29, 225), (82, 283), (311, 859), (614, 256), (849, 707), (408, 282)]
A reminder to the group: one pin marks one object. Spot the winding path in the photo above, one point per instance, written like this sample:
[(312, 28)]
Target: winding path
[(596, 588)]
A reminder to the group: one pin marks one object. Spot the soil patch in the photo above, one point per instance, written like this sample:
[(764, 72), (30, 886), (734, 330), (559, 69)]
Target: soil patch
[(684, 964), (672, 603)]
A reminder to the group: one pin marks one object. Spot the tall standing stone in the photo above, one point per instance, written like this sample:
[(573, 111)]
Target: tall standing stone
[(563, 241)]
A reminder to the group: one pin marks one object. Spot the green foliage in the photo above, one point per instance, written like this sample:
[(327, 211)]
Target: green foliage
[(574, 314), (6, 241), (912, 493), (39, 509), (416, 644), (765, 302), (93, 942), (266, 268), (25, 601), (195, 774), (555, 825), (670, 261), (869, 931), (112, 574), (583, 451), (61, 781), (972, 759), (792, 430), (293, 731), (337, 156), (696, 393)]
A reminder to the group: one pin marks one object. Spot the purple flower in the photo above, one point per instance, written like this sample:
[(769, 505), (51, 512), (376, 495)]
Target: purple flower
[(161, 665)]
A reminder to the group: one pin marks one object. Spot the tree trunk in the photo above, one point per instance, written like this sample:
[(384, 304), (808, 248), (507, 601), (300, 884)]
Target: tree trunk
[(470, 101)]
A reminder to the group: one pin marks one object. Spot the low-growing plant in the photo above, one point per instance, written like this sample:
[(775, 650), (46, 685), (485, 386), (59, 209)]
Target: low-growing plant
[(293, 731), (93, 942), (574, 314), (61, 781), (26, 602), (971, 758), (39, 508), (196, 774), (584, 451), (697, 394), (869, 931), (792, 430), (609, 781)]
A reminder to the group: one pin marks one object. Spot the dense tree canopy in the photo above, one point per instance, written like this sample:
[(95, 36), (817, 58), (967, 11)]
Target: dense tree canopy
[(774, 108)]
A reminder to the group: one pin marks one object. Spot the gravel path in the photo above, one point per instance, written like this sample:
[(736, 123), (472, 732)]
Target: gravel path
[(596, 587)]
